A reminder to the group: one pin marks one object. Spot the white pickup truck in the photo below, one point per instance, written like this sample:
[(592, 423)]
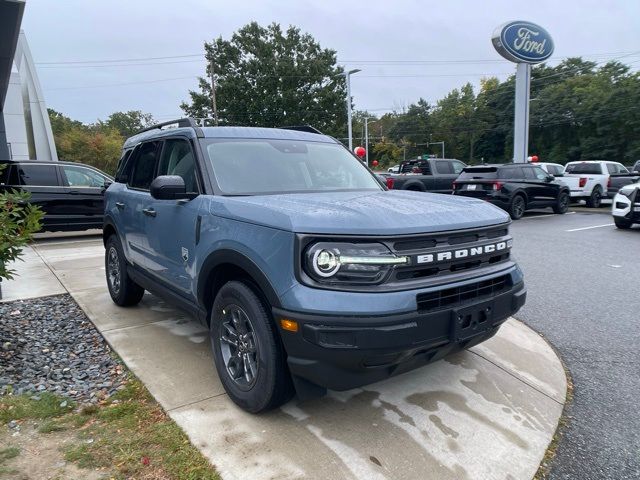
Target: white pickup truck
[(590, 179)]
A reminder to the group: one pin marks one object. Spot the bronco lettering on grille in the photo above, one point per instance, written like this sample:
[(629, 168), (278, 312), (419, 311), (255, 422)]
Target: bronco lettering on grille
[(462, 253)]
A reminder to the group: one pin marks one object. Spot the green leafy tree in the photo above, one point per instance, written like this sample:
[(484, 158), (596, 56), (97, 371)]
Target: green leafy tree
[(269, 77), (18, 221), (128, 123)]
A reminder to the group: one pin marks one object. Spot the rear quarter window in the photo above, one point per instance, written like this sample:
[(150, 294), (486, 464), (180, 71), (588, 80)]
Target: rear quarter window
[(587, 168), (37, 175)]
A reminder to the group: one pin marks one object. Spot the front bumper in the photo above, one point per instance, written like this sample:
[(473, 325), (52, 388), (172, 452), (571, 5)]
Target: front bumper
[(627, 208), (344, 352)]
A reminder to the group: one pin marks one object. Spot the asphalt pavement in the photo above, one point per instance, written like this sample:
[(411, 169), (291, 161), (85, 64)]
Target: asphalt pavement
[(583, 278)]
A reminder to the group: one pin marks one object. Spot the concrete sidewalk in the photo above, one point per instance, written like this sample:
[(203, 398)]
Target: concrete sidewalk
[(481, 414)]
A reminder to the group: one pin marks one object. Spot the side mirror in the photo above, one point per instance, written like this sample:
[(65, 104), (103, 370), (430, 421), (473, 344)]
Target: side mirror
[(549, 179), (169, 187), (106, 184)]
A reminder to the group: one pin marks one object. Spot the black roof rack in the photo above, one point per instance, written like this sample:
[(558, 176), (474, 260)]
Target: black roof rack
[(303, 128), (181, 122)]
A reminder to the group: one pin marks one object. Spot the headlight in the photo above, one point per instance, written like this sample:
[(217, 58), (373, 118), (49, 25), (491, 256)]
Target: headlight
[(627, 192), (357, 263)]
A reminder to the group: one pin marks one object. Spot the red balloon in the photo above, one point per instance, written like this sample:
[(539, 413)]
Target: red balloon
[(534, 158), (360, 151), (374, 163)]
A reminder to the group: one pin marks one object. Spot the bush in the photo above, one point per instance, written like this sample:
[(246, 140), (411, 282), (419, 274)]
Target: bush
[(18, 221)]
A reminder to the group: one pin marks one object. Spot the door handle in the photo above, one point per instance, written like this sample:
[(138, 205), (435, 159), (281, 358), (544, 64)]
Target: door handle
[(74, 192), (120, 205), (149, 211)]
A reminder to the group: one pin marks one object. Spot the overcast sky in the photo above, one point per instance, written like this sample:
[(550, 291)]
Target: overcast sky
[(361, 32)]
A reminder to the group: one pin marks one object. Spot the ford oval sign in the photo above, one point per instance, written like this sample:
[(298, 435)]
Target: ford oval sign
[(521, 41)]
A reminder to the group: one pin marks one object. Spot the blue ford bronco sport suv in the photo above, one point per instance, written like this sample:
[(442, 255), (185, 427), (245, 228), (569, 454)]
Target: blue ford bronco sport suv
[(309, 274)]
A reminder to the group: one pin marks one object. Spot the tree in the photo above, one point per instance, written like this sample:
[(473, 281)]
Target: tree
[(270, 78), (128, 123)]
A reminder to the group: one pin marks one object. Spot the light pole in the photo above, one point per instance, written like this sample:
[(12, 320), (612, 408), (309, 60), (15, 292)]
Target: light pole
[(347, 76), (437, 143), (366, 137)]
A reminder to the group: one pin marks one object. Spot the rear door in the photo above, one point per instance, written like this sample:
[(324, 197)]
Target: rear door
[(44, 184), (447, 172), (85, 193)]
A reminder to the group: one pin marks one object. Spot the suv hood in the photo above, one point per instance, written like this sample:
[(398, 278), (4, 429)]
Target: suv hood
[(360, 213)]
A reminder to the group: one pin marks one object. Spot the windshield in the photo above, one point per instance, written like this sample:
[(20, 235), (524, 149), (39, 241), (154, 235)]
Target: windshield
[(257, 166)]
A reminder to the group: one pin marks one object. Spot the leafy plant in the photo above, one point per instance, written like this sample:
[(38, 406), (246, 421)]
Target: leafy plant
[(18, 221)]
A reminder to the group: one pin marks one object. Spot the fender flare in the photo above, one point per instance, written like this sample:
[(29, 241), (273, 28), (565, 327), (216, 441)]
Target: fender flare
[(237, 259)]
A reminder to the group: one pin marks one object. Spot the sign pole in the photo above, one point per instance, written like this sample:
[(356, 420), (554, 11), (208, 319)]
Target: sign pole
[(521, 118)]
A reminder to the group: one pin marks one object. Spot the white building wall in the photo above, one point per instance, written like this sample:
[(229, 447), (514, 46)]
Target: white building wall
[(25, 113)]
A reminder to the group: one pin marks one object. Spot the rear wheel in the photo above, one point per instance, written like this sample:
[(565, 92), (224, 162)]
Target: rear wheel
[(562, 204), (249, 358), (595, 199), (622, 223), (124, 291), (517, 208)]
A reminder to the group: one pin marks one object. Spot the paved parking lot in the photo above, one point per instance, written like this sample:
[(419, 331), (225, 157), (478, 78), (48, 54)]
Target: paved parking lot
[(483, 414), (583, 277)]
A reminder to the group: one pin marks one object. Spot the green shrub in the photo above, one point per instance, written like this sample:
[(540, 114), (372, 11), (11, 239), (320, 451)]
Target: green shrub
[(18, 221)]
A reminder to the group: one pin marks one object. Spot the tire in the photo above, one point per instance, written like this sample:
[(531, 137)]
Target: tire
[(562, 204), (124, 291), (595, 199), (622, 223), (248, 355), (517, 207)]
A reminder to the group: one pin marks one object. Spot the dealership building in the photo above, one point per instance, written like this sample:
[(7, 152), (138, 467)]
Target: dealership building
[(25, 129)]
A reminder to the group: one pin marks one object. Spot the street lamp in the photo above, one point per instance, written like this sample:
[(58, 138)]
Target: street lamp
[(347, 76)]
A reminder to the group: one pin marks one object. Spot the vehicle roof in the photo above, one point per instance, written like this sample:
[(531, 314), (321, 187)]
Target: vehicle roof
[(231, 132), (49, 162), (593, 161), (499, 165)]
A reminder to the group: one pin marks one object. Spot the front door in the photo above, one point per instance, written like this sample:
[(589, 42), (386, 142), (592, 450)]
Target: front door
[(172, 229), (47, 192)]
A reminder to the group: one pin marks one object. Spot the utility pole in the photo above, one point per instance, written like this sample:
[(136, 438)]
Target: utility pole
[(213, 94), (347, 76)]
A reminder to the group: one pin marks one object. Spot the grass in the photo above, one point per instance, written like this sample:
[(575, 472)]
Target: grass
[(128, 436), (7, 454), (19, 407)]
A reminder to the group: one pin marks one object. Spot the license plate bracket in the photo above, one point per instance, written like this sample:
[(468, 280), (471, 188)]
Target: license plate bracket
[(471, 186), (471, 321)]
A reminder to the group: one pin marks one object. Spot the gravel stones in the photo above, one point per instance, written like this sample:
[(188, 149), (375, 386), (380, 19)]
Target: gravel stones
[(48, 344)]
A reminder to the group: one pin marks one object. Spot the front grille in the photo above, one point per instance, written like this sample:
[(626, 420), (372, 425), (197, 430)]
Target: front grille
[(455, 296), (429, 243)]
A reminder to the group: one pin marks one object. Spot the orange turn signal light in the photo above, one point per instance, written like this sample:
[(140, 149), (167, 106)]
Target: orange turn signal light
[(289, 325)]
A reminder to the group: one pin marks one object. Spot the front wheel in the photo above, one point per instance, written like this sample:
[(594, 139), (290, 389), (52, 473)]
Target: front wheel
[(517, 208), (562, 204), (595, 199), (622, 223), (124, 291), (248, 356)]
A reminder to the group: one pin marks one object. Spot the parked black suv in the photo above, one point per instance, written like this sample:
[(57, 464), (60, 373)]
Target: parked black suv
[(513, 187), (70, 194)]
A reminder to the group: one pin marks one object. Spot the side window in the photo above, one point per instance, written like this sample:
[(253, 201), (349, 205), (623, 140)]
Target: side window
[(508, 173), (4, 174), (177, 159), (529, 174), (457, 167), (444, 167), (611, 168), (38, 175), (144, 166), (539, 173), (124, 167), (77, 176)]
